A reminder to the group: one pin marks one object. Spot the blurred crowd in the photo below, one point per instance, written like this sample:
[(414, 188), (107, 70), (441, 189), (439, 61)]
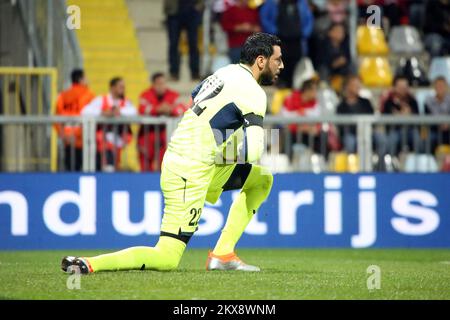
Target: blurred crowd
[(111, 139), (318, 59)]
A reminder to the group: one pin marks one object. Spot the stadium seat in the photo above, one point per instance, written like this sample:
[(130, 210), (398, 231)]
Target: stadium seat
[(338, 162), (371, 41), (278, 99), (420, 163), (110, 46), (375, 72), (301, 155), (421, 95), (304, 70), (440, 66), (405, 39), (353, 163), (446, 164), (386, 163), (441, 153), (278, 163), (328, 101), (343, 162), (318, 163), (413, 71), (443, 149), (254, 4), (305, 160)]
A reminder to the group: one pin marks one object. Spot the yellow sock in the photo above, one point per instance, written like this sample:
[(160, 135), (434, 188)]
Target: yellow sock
[(254, 192), (166, 255)]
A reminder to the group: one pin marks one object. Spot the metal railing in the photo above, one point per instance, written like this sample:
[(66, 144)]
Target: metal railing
[(52, 43), (22, 93), (373, 137)]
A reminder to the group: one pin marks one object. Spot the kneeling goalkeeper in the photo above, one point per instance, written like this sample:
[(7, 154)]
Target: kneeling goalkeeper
[(228, 106)]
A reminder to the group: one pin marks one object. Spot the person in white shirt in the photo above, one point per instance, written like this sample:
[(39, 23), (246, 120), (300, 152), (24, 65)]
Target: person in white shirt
[(111, 138)]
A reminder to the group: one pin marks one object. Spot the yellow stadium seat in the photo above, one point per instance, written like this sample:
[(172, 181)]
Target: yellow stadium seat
[(443, 155), (339, 162), (353, 163), (371, 41), (110, 47), (343, 162), (253, 4), (443, 149), (278, 99), (375, 72)]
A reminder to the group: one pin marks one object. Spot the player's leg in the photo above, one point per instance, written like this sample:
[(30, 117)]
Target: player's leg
[(184, 200), (256, 183), (164, 256), (255, 189)]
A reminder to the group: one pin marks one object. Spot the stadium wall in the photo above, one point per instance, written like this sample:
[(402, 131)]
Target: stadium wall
[(81, 211)]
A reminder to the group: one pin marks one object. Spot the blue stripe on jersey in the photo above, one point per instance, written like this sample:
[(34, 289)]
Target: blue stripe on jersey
[(229, 117), (196, 90)]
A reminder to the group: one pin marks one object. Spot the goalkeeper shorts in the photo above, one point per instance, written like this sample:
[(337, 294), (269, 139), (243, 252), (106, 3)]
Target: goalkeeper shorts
[(187, 184)]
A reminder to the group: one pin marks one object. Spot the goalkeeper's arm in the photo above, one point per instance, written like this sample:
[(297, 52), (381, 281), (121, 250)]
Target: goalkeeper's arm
[(253, 143)]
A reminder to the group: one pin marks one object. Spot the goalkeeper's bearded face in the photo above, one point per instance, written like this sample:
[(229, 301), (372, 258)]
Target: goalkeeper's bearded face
[(273, 66)]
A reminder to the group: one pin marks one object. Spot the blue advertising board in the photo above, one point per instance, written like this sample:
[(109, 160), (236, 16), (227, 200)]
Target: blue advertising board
[(82, 211)]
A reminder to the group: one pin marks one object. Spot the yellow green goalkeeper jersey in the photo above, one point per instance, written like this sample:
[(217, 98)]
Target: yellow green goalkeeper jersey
[(221, 104)]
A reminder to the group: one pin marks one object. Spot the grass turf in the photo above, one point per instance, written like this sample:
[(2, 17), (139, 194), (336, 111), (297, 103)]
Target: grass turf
[(286, 274)]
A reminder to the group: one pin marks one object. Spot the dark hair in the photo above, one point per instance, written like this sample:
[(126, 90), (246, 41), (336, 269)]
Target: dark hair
[(258, 44), (77, 75), (114, 81), (156, 75), (336, 24), (308, 85), (349, 78), (440, 78), (398, 78)]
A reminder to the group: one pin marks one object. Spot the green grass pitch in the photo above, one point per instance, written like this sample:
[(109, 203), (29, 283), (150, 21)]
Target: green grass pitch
[(286, 274)]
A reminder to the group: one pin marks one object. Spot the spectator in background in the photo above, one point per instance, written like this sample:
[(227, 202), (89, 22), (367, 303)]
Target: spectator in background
[(337, 11), (70, 103), (304, 102), (218, 35), (437, 105), (183, 14), (111, 138), (400, 102), (417, 14), (336, 56), (325, 14), (352, 104), (292, 21), (437, 27), (158, 100), (239, 21), (396, 12)]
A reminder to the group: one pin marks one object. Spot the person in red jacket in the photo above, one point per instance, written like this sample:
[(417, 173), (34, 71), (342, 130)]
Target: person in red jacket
[(239, 21), (304, 102), (158, 100)]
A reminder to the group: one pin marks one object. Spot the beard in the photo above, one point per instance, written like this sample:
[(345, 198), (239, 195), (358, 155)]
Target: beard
[(266, 78)]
